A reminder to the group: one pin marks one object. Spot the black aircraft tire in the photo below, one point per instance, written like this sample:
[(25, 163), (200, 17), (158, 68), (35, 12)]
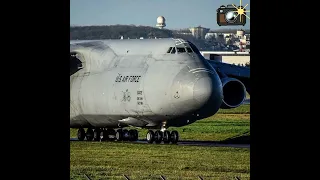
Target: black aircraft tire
[(103, 135), (89, 134), (174, 137), (136, 135), (81, 134), (111, 134), (119, 135), (125, 135), (131, 135), (158, 137), (150, 136), (96, 134), (166, 137)]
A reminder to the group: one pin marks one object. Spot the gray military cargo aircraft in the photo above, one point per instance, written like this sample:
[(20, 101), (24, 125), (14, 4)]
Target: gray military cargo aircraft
[(147, 83)]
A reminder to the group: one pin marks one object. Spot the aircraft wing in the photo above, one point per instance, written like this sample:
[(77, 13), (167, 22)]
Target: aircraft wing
[(81, 41), (233, 71)]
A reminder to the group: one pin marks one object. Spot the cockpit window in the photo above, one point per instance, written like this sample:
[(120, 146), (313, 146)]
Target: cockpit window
[(173, 50), (169, 50), (181, 49), (189, 50)]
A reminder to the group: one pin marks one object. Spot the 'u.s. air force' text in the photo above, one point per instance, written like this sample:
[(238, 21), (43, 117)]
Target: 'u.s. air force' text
[(121, 78)]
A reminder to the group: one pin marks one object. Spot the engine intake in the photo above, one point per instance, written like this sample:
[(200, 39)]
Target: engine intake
[(234, 93)]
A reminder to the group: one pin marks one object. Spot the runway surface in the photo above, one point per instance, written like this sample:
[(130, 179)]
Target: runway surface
[(190, 143)]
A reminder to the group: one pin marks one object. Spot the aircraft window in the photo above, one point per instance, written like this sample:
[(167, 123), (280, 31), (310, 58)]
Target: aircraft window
[(181, 50), (189, 50), (169, 50), (173, 50)]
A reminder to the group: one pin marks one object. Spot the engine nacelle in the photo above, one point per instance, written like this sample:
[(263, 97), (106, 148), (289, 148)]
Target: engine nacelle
[(234, 93)]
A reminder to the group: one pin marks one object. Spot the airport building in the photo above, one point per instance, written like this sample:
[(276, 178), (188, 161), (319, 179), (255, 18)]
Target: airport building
[(209, 35), (227, 57), (199, 32), (240, 33)]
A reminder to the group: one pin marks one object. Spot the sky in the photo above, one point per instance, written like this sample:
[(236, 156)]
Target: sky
[(179, 14)]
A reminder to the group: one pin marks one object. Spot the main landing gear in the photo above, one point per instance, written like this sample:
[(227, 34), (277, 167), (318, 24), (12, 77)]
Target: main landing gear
[(165, 136), (101, 134)]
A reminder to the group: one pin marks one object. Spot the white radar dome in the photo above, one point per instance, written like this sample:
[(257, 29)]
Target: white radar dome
[(161, 20)]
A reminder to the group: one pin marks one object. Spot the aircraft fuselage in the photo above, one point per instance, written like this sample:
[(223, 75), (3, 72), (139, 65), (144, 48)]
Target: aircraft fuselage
[(141, 83)]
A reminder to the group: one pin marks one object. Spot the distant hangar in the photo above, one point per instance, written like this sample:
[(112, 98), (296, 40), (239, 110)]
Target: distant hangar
[(232, 57)]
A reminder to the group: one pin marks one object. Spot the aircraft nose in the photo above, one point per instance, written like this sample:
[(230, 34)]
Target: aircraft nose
[(202, 90), (207, 94), (196, 91)]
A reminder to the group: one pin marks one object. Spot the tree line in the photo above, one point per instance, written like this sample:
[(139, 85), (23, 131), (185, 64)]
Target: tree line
[(127, 31), (135, 32), (132, 32), (116, 31)]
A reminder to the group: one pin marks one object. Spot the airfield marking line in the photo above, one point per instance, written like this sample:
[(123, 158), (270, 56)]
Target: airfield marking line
[(87, 177), (162, 177), (127, 178)]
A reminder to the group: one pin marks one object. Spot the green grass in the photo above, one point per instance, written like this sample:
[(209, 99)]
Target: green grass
[(243, 109), (110, 160)]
